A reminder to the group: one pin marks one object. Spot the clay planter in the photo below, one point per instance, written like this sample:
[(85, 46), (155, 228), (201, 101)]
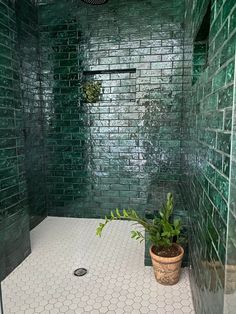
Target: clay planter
[(167, 269)]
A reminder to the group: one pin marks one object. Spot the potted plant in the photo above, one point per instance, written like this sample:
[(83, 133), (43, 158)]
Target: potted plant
[(164, 235)]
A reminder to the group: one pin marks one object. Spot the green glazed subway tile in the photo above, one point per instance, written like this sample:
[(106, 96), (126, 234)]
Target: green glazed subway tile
[(211, 173), (218, 5), (225, 97), (219, 79), (5, 193), (230, 72), (222, 36), (232, 21), (7, 162), (197, 69), (228, 120), (226, 165), (227, 7), (5, 51), (4, 30), (212, 101), (217, 123), (224, 142), (210, 138), (199, 59), (5, 61), (211, 230), (220, 226), (217, 160), (215, 27), (222, 185), (7, 123), (233, 164), (4, 9), (228, 50), (214, 65), (7, 144), (200, 48), (223, 208)]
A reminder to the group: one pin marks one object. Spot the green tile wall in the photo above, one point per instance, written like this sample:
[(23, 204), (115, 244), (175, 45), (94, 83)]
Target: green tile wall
[(201, 47), (206, 147), (67, 133), (230, 268), (200, 53), (230, 273), (14, 224), (123, 150), (33, 107), (19, 107)]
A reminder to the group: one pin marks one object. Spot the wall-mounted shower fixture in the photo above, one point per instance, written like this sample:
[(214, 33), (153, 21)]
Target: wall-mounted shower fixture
[(95, 2)]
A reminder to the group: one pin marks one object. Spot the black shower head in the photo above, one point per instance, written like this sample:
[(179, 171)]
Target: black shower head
[(95, 2)]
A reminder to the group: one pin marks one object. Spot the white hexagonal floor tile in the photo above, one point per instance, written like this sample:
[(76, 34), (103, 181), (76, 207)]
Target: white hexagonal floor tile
[(116, 282)]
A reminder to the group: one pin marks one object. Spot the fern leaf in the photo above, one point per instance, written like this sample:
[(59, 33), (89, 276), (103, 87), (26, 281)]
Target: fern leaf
[(118, 213), (125, 213)]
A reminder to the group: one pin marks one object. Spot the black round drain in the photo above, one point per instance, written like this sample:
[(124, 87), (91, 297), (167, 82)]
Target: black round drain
[(80, 272)]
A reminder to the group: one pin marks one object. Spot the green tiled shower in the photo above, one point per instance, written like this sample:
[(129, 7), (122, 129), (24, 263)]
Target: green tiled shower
[(164, 122)]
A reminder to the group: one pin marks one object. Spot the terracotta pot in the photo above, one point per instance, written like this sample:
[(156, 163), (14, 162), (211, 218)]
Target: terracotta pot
[(167, 269)]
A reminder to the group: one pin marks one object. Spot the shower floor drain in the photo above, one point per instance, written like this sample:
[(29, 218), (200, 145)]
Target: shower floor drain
[(80, 272)]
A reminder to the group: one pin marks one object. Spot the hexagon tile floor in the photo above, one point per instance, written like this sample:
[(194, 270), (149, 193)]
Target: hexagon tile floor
[(116, 282)]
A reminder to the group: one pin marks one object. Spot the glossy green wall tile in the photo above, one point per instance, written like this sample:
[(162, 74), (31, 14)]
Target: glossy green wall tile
[(207, 153), (230, 268), (34, 119), (14, 224), (22, 188), (118, 151)]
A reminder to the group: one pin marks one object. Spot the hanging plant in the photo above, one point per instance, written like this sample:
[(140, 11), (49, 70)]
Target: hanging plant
[(91, 91)]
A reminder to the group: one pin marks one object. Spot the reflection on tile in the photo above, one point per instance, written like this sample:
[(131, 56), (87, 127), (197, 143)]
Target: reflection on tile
[(107, 154)]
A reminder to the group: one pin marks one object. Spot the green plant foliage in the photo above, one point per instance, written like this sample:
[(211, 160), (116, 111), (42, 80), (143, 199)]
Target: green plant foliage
[(161, 231), (91, 91)]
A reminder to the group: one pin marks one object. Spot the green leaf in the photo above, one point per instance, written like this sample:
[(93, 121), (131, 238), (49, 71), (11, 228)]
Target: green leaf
[(125, 213), (133, 212), (118, 213), (176, 223)]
